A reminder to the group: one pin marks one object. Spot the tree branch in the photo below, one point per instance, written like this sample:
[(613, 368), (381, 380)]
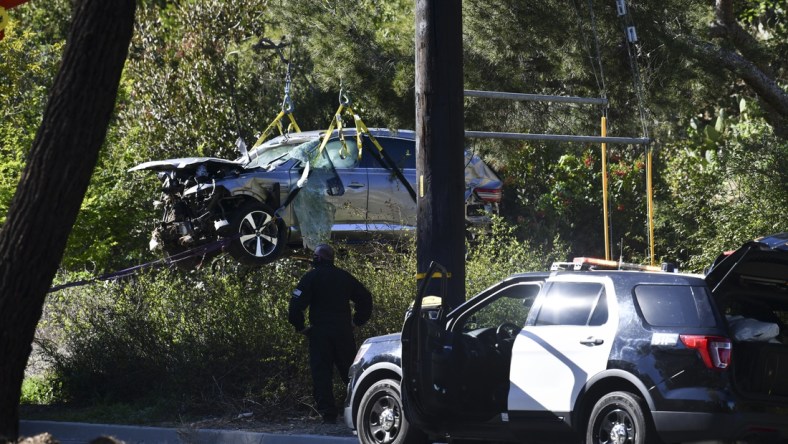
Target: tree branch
[(726, 26), (772, 96)]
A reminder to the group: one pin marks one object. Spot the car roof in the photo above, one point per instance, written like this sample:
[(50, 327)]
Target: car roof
[(306, 136)]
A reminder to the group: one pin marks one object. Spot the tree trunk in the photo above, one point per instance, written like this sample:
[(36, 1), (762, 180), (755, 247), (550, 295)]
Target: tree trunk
[(54, 182)]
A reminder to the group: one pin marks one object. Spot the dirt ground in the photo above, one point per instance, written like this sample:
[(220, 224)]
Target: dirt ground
[(288, 426)]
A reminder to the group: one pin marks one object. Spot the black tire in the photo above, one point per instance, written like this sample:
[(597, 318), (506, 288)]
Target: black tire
[(380, 419), (262, 235), (617, 418)]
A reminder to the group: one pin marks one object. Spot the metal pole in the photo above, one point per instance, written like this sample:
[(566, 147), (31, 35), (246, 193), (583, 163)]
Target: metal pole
[(556, 137), (604, 189), (650, 200), (534, 97)]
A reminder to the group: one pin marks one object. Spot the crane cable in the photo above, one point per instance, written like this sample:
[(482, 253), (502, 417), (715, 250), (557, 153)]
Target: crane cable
[(596, 58), (286, 110), (630, 35), (596, 63)]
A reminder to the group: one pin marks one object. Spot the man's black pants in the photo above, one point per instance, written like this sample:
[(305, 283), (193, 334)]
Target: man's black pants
[(329, 348)]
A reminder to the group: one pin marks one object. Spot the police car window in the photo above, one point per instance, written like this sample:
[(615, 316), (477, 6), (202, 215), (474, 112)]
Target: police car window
[(401, 151), (510, 305), (573, 303), (343, 155), (675, 305)]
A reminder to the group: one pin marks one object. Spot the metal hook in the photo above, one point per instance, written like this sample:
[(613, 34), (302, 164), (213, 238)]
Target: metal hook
[(344, 99), (287, 104)]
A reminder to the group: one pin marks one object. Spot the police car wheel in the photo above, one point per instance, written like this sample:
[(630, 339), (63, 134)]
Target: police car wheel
[(617, 418), (380, 419)]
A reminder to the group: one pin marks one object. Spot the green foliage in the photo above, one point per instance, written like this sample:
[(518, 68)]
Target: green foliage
[(497, 252), (197, 78), (40, 390), (205, 340), (725, 196), (26, 72), (219, 340)]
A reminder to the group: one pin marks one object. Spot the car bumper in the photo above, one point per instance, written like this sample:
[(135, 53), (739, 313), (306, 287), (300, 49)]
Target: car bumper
[(348, 415), (702, 426)]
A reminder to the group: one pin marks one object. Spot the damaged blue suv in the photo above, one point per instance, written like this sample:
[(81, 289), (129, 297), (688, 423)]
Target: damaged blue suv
[(349, 191)]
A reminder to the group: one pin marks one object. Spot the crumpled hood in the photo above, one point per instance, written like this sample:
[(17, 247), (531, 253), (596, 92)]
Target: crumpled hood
[(185, 163)]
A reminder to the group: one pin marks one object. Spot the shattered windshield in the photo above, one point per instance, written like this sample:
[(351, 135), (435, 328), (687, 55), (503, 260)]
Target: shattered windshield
[(264, 157)]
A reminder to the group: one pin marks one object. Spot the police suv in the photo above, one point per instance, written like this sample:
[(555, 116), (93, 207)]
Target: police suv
[(594, 355)]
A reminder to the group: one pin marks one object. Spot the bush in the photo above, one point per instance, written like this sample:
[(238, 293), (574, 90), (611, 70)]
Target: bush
[(218, 340), (206, 339), (39, 389)]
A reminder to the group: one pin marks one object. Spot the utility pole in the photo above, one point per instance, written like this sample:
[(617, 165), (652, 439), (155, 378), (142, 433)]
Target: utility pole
[(440, 141)]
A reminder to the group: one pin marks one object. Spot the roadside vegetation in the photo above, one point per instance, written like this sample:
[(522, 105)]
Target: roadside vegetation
[(200, 73), (216, 341)]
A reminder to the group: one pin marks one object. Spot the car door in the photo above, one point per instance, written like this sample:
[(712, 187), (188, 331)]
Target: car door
[(391, 207), (351, 206), (566, 341), (333, 200), (446, 385), (426, 353)]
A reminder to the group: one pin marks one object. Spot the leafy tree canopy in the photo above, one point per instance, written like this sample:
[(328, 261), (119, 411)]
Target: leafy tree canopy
[(200, 73)]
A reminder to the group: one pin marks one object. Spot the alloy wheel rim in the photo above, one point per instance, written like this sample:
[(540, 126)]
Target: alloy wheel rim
[(258, 233)]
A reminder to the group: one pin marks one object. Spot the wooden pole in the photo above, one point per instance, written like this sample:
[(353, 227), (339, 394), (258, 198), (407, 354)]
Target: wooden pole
[(440, 232)]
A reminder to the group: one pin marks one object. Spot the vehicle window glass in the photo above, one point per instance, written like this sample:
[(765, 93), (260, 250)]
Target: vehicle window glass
[(675, 305), (509, 305), (264, 157), (572, 303), (401, 151), (343, 155), (599, 316)]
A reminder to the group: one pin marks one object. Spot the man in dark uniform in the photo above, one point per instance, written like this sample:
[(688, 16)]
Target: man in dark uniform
[(327, 290)]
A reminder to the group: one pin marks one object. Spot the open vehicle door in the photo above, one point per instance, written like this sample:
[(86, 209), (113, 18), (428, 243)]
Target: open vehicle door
[(426, 359), (759, 264)]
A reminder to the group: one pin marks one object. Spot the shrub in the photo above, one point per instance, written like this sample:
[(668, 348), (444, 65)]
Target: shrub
[(217, 340)]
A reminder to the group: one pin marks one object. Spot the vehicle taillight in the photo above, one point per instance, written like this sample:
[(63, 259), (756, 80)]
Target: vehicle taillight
[(715, 351), (489, 194)]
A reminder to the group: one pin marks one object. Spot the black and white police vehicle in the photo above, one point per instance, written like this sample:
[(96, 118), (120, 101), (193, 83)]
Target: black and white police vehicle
[(597, 355)]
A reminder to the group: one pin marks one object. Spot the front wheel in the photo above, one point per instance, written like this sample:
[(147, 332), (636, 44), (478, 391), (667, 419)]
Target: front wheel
[(380, 419), (261, 235), (617, 418)]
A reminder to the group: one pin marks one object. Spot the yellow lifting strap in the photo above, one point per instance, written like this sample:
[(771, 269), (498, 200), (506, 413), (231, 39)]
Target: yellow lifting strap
[(361, 128), (287, 110), (277, 123)]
